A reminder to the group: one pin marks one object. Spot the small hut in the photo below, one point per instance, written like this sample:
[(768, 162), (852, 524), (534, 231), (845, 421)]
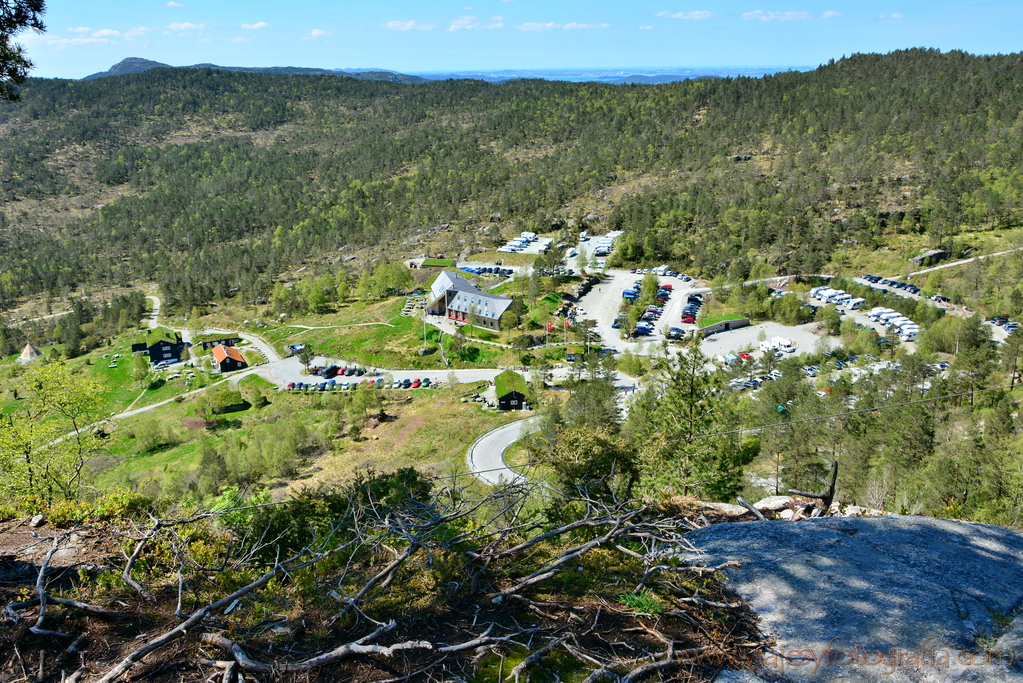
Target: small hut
[(29, 354), (511, 390)]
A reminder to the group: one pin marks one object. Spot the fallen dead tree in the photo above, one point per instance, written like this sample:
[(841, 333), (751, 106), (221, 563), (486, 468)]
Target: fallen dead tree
[(443, 584)]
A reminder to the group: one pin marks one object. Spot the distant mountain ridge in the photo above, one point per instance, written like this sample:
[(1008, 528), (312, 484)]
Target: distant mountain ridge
[(134, 65), (644, 75)]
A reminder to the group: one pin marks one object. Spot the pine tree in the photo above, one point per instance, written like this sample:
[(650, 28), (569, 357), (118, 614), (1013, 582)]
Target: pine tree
[(683, 459)]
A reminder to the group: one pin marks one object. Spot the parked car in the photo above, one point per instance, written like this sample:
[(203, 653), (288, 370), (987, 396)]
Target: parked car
[(425, 383)]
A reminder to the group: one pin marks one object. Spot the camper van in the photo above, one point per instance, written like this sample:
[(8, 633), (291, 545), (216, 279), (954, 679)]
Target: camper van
[(856, 303), (876, 313), (909, 335), (885, 317), (824, 293)]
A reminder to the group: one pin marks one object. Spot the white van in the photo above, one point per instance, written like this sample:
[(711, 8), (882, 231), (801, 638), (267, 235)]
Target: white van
[(856, 303), (885, 317), (909, 335), (876, 314), (842, 299)]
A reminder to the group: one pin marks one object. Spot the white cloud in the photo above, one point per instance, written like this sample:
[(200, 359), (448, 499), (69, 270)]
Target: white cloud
[(68, 42), (174, 4), (760, 15), (255, 27), (186, 26), (698, 14), (80, 29), (106, 33), (896, 15), (239, 39), (536, 26), (470, 23), (407, 26), (136, 32), (317, 33), (646, 28), (831, 14), (550, 25)]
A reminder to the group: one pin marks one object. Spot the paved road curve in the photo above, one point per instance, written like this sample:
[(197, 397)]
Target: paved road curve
[(486, 454)]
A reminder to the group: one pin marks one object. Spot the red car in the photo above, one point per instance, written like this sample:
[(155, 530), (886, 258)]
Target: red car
[(744, 355), (416, 382), (665, 286), (688, 319)]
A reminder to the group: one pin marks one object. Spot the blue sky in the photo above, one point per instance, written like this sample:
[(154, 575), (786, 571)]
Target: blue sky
[(470, 35)]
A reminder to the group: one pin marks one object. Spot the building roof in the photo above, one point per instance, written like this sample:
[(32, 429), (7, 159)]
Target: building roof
[(29, 353), (509, 381), (447, 281), (467, 298), (207, 338), (222, 353), (162, 334)]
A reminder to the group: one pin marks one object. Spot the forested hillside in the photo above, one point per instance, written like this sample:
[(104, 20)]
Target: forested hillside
[(212, 182)]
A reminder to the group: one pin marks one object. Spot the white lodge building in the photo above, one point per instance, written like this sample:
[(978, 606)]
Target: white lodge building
[(452, 296)]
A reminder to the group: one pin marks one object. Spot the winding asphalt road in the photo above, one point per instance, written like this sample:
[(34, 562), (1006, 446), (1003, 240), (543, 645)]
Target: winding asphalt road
[(486, 454)]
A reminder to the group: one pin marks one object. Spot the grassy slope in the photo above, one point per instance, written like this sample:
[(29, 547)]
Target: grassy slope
[(431, 431)]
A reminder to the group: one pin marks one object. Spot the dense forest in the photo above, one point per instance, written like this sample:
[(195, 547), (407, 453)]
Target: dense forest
[(220, 181)]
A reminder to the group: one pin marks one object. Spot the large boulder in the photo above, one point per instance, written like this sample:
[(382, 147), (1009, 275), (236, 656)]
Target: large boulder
[(929, 258), (897, 598)]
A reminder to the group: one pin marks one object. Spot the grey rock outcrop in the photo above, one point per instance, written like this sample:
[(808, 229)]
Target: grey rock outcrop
[(773, 503), (896, 598), (929, 258)]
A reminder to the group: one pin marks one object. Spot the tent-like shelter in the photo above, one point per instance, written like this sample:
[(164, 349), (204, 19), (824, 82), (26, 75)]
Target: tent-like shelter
[(29, 353)]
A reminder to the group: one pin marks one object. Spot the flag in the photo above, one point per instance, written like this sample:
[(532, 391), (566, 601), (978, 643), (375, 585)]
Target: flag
[(550, 325), (566, 323)]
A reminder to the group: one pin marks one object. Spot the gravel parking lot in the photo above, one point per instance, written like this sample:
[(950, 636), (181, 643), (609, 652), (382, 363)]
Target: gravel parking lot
[(603, 302), (747, 338)]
